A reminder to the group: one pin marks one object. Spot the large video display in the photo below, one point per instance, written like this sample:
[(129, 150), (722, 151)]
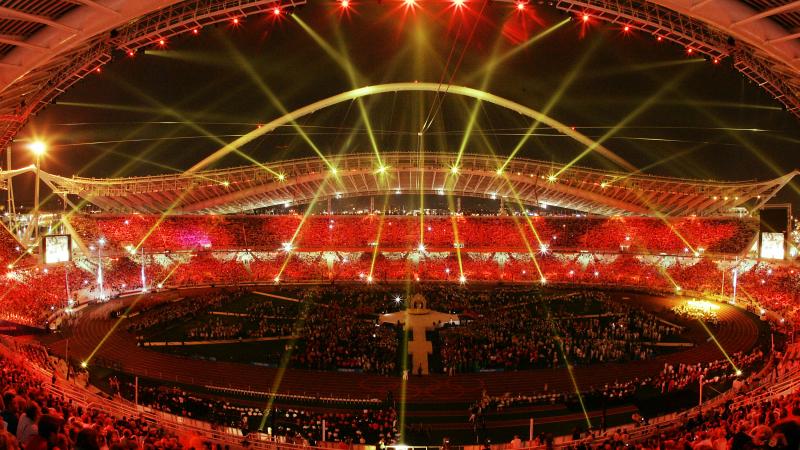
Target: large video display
[(772, 246), (57, 248)]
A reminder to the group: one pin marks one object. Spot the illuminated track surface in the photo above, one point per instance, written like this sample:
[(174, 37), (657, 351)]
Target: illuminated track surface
[(738, 332)]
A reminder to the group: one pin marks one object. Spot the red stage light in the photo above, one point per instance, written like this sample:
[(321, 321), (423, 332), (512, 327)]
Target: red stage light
[(162, 42), (276, 11), (97, 70), (345, 3), (627, 28), (459, 3), (520, 6), (585, 17), (410, 3), (659, 39), (131, 53), (689, 51), (236, 21), (716, 60), (195, 31)]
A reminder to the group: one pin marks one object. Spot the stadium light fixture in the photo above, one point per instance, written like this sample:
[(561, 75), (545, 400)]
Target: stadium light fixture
[(543, 248), (38, 147), (101, 241), (552, 178), (421, 247), (454, 170), (281, 177), (499, 172), (462, 279), (287, 247), (334, 171), (543, 280), (398, 299)]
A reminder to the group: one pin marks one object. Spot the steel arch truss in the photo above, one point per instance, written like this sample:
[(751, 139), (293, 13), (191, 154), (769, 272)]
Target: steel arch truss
[(763, 36), (48, 45), (525, 181)]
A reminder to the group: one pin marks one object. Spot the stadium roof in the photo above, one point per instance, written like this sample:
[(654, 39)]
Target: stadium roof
[(524, 181), (47, 45)]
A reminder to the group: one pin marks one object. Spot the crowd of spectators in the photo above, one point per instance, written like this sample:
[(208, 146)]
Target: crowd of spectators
[(160, 313), (670, 379), (635, 234), (323, 341), (340, 248), (31, 295), (367, 426), (34, 419), (524, 331)]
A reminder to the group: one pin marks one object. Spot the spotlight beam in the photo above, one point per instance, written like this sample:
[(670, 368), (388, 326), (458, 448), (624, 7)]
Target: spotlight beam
[(291, 117), (553, 101), (644, 106), (341, 58), (494, 62), (234, 146)]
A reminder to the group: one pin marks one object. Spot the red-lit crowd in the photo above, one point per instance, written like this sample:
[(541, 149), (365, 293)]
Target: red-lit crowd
[(636, 234), (339, 249), (34, 419)]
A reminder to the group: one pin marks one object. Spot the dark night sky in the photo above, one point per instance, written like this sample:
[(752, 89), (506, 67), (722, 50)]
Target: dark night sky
[(675, 107)]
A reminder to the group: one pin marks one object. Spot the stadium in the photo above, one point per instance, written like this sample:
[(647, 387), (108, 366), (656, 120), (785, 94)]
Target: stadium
[(488, 225)]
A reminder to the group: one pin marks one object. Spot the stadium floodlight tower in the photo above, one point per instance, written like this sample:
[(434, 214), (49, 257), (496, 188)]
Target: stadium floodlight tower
[(38, 148), (100, 244)]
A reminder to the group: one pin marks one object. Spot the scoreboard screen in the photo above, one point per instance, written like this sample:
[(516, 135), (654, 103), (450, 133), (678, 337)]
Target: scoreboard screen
[(57, 248), (773, 246)]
